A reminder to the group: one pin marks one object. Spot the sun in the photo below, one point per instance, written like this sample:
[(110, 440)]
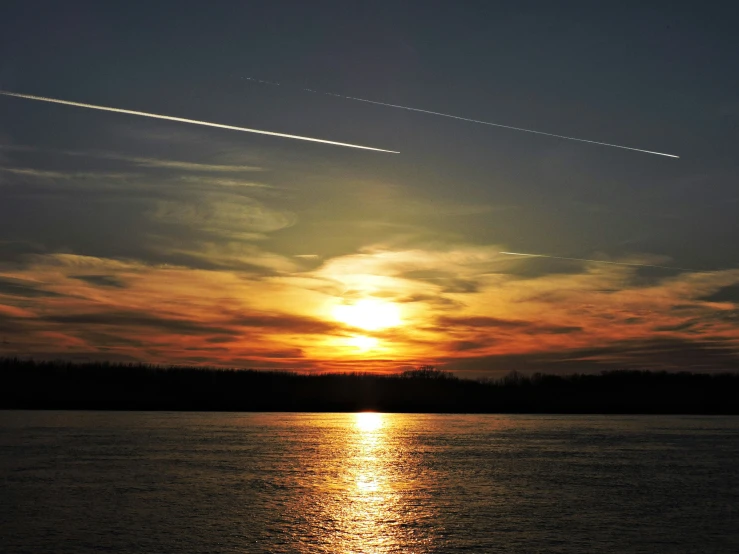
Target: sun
[(369, 314), (363, 343)]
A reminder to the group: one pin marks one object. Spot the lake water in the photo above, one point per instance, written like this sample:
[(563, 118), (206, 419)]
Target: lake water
[(372, 483)]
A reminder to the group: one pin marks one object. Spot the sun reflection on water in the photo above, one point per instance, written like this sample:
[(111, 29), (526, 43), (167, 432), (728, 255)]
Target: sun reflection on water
[(368, 421), (369, 475), (371, 472), (369, 502)]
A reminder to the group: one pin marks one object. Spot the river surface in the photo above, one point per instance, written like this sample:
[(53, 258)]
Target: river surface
[(146, 482)]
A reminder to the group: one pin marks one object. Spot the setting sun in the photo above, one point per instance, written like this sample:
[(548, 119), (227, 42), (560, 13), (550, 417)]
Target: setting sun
[(369, 314), (362, 342)]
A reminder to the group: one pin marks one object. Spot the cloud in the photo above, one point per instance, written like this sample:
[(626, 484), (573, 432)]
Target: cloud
[(24, 288), (448, 267), (83, 356), (656, 354), (430, 299), (101, 280), (79, 262), (15, 251), (232, 254), (729, 293), (129, 319), (132, 185), (598, 261), (483, 322), (531, 268), (446, 280), (182, 213), (67, 175), (468, 345), (99, 339), (232, 186), (220, 217), (10, 324), (141, 161), (178, 164), (252, 303), (288, 324)]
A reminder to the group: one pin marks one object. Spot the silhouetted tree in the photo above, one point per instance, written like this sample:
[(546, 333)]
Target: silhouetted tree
[(27, 384), (427, 372)]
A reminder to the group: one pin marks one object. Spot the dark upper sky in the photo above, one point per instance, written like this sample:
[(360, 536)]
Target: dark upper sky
[(125, 237)]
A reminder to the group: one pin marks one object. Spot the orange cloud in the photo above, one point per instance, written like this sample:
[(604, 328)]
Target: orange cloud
[(65, 305)]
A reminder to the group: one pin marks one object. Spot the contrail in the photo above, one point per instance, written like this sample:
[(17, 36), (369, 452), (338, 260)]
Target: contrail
[(465, 118), (192, 121), (602, 262)]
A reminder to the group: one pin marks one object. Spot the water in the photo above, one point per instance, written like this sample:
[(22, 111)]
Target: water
[(372, 483)]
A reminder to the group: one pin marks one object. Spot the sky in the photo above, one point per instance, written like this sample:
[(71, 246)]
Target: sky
[(129, 238)]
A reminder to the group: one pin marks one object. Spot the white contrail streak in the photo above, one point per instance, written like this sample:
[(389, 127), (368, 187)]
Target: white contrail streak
[(467, 119), (601, 261), (192, 121)]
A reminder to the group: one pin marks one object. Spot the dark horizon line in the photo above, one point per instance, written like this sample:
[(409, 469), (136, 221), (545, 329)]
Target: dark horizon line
[(105, 386)]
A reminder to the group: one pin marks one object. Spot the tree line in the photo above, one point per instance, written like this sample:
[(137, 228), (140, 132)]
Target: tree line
[(28, 384)]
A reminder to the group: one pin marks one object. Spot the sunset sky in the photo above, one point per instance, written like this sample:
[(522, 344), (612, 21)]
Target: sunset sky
[(128, 238)]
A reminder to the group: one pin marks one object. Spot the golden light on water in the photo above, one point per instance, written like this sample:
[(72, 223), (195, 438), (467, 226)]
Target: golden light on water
[(368, 421), (369, 474), (363, 508), (370, 500), (369, 314)]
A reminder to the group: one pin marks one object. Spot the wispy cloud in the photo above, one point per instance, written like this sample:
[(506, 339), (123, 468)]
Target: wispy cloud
[(184, 166), (67, 175), (101, 280), (164, 163), (24, 288), (588, 260)]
